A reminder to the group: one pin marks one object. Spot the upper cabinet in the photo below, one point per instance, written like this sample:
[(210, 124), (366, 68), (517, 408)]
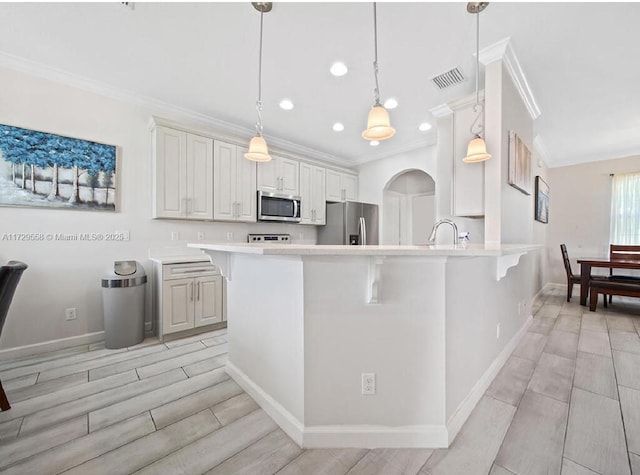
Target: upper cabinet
[(199, 177), (280, 175), (341, 186), (234, 184), (183, 175), (313, 194)]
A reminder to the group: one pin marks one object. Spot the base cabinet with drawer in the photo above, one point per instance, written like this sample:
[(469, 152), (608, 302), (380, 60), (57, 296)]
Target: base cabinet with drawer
[(189, 295)]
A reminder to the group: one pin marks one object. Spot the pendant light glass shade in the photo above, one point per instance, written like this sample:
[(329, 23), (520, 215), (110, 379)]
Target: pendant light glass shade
[(476, 151), (258, 151), (378, 125)]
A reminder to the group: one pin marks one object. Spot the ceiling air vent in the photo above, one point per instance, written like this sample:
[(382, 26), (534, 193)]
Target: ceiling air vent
[(448, 79)]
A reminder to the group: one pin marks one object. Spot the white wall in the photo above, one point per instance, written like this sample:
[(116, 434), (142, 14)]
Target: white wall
[(67, 273), (580, 211), (509, 213)]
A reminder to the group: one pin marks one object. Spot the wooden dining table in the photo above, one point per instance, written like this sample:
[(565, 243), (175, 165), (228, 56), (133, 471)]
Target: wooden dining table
[(586, 263)]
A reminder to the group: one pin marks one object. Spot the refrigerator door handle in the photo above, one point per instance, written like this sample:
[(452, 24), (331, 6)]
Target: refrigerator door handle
[(362, 231)]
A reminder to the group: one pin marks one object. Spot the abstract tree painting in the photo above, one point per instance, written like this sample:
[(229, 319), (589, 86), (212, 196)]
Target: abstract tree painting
[(48, 170)]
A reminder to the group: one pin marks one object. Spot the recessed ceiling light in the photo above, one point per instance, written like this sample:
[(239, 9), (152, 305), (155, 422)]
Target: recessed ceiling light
[(338, 127), (390, 103), (286, 104), (374, 143), (424, 126), (339, 69)]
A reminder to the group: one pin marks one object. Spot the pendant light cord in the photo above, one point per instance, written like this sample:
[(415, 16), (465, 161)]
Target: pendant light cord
[(477, 54), (375, 52), (259, 101), (477, 107)]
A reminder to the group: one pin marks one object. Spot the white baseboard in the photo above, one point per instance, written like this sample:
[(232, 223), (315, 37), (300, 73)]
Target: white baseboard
[(287, 421), (52, 345), (355, 436), (462, 413), (551, 286), (371, 437)]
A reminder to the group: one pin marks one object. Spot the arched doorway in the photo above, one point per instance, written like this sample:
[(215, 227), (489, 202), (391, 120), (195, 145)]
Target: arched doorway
[(409, 208)]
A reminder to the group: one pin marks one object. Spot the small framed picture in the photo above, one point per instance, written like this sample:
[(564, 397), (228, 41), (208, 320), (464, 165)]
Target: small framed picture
[(542, 200), (519, 164)]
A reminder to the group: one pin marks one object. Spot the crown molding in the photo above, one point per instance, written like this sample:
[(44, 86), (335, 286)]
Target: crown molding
[(502, 50), (442, 110), (466, 101), (175, 116)]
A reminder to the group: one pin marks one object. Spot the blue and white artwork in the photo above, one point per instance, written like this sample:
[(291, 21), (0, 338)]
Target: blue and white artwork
[(49, 170)]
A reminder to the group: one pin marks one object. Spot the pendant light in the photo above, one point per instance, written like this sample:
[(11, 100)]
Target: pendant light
[(258, 151), (477, 149), (378, 125)]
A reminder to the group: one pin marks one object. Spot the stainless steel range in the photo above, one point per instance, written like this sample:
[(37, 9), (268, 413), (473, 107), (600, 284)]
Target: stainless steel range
[(269, 238)]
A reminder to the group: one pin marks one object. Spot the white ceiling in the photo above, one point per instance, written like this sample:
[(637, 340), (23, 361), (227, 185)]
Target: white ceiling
[(581, 61)]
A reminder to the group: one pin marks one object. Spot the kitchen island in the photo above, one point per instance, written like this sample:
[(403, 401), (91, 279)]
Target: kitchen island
[(433, 324)]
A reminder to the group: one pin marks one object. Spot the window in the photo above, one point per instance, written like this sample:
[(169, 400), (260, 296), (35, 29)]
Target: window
[(625, 208)]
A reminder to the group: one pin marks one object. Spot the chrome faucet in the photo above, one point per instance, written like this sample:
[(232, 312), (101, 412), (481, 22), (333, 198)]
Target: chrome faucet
[(432, 238)]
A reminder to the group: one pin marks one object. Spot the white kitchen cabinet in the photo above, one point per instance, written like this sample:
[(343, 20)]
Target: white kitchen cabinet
[(280, 175), (313, 194), (341, 186), (188, 295), (183, 164), (234, 184)]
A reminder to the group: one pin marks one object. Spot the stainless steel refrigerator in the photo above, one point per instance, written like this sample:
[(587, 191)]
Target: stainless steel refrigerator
[(350, 223)]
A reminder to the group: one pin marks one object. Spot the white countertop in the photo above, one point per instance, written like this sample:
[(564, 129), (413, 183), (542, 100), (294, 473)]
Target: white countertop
[(463, 250), (180, 259)]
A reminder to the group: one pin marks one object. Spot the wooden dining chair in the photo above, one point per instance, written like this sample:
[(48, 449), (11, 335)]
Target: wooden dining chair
[(572, 279), (623, 252), (10, 274)]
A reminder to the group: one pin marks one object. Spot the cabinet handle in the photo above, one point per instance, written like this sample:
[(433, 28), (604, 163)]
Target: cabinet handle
[(235, 209), (191, 285), (198, 295)]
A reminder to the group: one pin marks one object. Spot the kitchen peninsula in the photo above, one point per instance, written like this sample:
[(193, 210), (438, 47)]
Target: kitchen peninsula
[(433, 324)]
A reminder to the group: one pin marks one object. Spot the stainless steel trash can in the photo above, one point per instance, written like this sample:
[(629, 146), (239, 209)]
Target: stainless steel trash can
[(123, 296)]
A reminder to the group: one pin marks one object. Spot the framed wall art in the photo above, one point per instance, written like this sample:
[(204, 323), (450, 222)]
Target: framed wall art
[(519, 164), (41, 169), (542, 200)]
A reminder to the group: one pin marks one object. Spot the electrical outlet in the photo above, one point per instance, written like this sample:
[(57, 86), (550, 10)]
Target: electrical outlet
[(368, 384), (175, 236), (70, 314), (230, 236), (498, 331), (200, 236)]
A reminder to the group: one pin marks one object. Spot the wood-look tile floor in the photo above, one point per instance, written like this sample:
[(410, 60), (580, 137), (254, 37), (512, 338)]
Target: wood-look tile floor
[(566, 401)]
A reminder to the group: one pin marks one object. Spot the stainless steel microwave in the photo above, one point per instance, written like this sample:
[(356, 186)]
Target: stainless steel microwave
[(277, 207)]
